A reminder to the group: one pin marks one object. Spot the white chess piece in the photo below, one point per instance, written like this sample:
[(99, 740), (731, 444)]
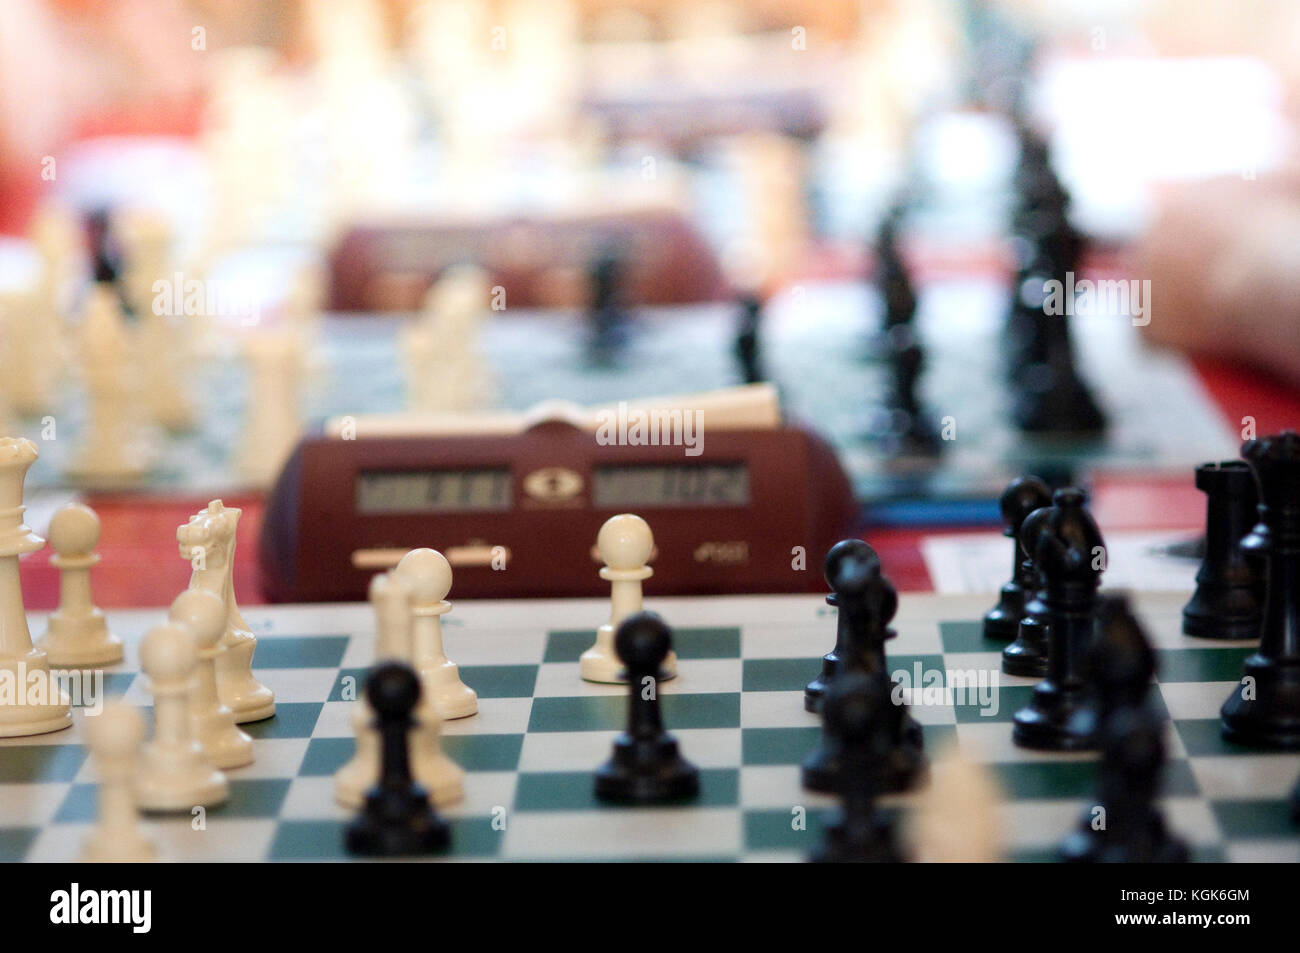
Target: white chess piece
[(77, 635), (207, 542), (162, 354), (9, 422), (174, 774), (273, 415), (441, 777), (304, 301), (225, 745), (390, 600), (956, 817), (428, 574), (111, 452), (445, 370), (624, 544), (114, 738), (42, 704), (56, 234)]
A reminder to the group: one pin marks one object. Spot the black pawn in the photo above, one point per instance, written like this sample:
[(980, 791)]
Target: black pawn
[(1129, 826), (1229, 598), (645, 767), (1028, 655), (845, 549), (1132, 761), (859, 714), (1264, 708), (1121, 662), (747, 339), (869, 601), (1021, 497), (397, 818), (1069, 552)]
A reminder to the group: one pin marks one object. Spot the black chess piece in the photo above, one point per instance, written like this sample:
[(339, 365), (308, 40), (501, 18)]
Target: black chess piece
[(859, 715), (1021, 497), (747, 339), (1263, 710), (1051, 398), (1059, 242), (906, 432), (646, 766), (892, 275), (1125, 824), (845, 549), (106, 257), (397, 818), (607, 313), (1133, 753), (1229, 598), (103, 253), (1069, 552), (1023, 341), (869, 602), (1027, 655)]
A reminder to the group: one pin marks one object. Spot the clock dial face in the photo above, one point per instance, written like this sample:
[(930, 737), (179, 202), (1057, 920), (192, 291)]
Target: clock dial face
[(433, 491)]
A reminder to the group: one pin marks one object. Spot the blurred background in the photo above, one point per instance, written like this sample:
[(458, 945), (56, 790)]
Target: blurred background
[(225, 222)]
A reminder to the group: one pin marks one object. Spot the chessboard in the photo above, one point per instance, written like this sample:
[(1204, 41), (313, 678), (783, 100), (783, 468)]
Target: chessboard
[(736, 708), (816, 349)]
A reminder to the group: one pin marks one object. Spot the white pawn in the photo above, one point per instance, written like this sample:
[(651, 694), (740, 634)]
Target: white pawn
[(391, 601), (174, 774), (956, 817), (428, 574), (77, 635), (114, 739), (441, 777), (224, 744), (624, 544)]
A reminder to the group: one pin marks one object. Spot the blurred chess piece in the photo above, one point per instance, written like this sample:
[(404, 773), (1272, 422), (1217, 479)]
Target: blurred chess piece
[(77, 635), (956, 816), (445, 368), (114, 738), (773, 171), (273, 413), (112, 451), (162, 355), (304, 301), (8, 416), (32, 320)]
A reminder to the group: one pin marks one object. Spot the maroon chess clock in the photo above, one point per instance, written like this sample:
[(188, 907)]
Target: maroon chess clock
[(517, 514)]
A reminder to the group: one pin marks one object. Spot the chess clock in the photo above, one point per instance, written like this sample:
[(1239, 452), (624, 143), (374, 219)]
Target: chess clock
[(516, 510)]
